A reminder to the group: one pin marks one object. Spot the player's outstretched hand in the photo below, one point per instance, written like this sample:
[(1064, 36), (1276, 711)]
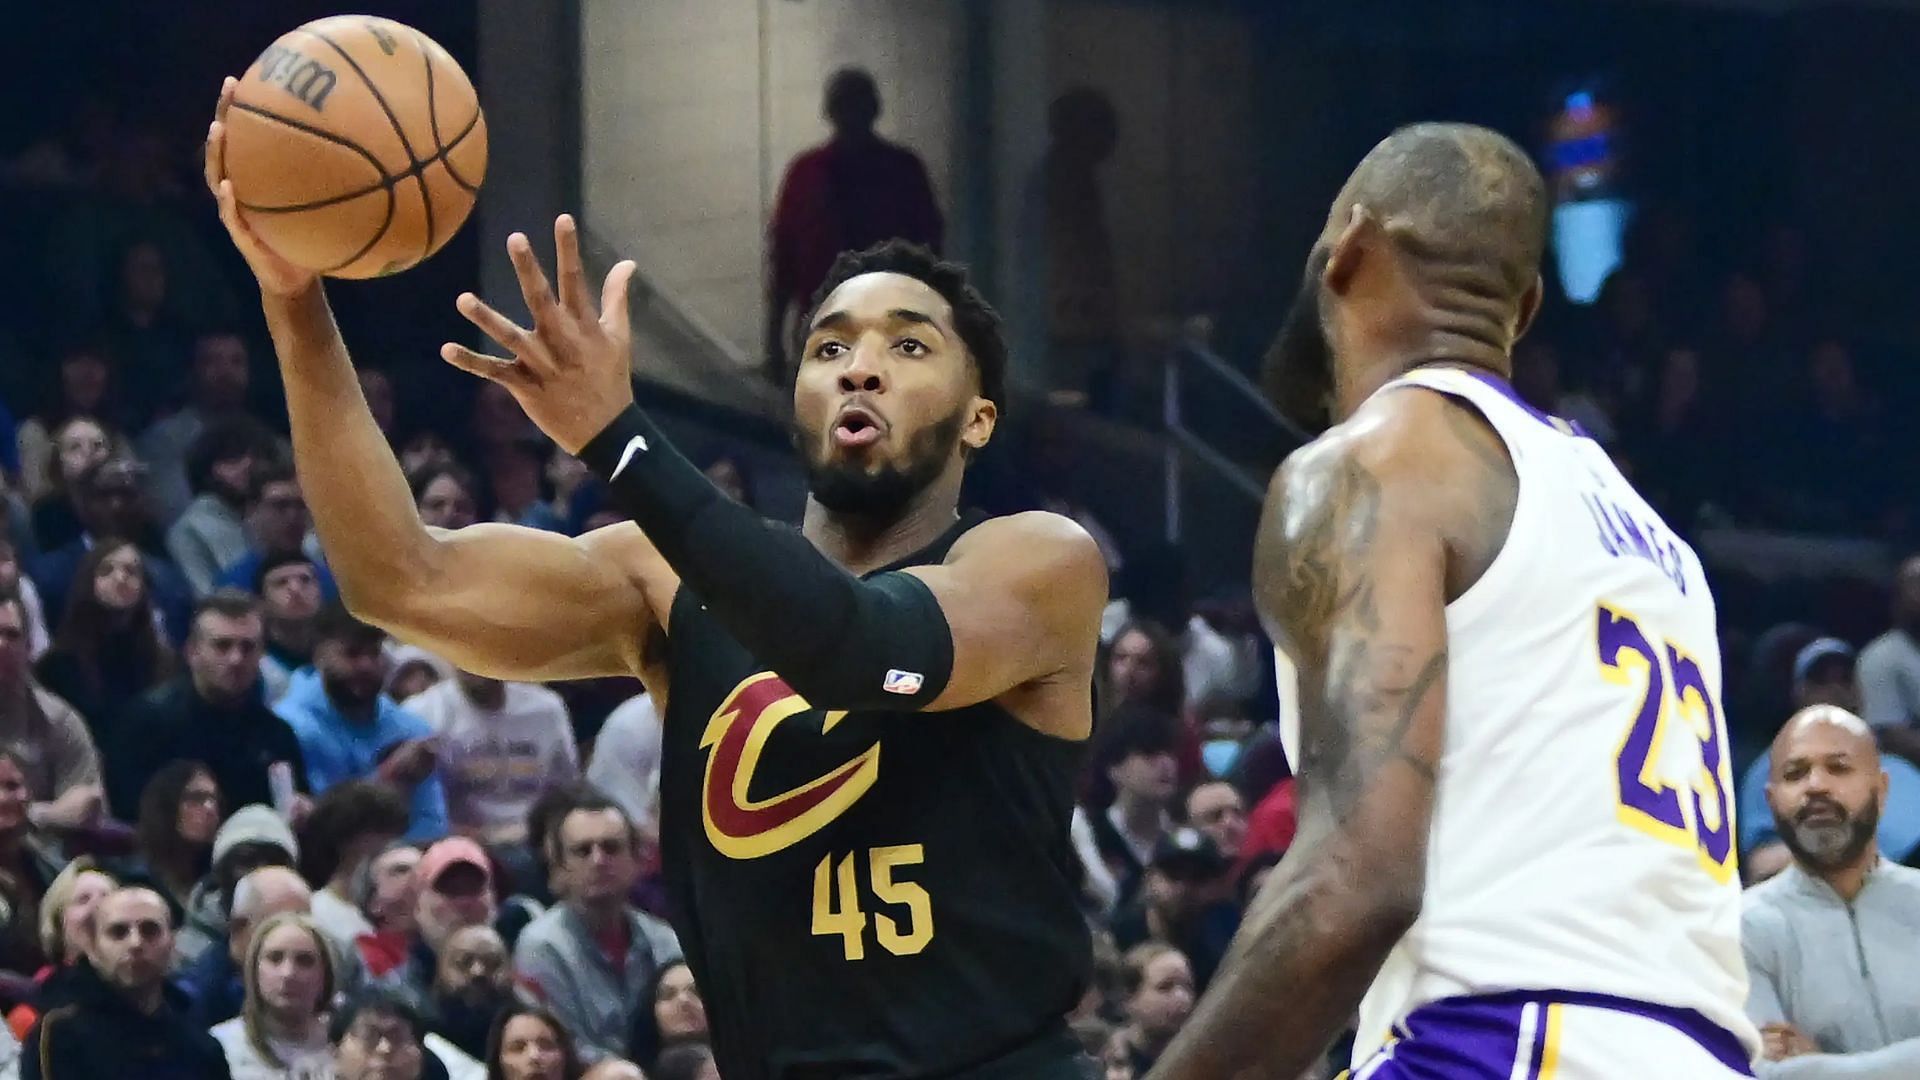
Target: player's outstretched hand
[(570, 372), (277, 276)]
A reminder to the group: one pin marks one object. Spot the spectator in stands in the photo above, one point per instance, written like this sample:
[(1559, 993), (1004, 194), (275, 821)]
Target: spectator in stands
[(215, 984), (122, 1022), (1890, 669), (146, 334), (277, 524), (108, 651), (846, 194), (1743, 353), (730, 474), (111, 509), (501, 745), (252, 838), (281, 1030), (592, 957), (213, 714), (14, 583), (453, 890), (531, 1044), (514, 477), (1186, 900), (425, 449), (678, 1015), (349, 730), (289, 588), (1143, 665), (80, 442), (217, 394), (1833, 470), (380, 1035), (377, 387), (210, 532), (1159, 988), (1216, 809), (85, 388), (573, 489), (61, 762), (472, 987), (1824, 1009), (350, 825), (626, 759), (1675, 443), (390, 893), (1116, 841), (66, 938), (179, 817), (692, 1061), (446, 496)]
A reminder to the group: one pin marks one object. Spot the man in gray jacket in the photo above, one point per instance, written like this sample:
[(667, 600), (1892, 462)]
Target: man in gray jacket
[(592, 957), (1833, 942)]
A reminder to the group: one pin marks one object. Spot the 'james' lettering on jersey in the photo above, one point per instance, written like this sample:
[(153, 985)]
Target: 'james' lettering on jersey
[(1582, 838)]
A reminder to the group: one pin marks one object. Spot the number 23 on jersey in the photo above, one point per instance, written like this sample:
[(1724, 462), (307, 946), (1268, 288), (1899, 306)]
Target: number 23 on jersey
[(1672, 691)]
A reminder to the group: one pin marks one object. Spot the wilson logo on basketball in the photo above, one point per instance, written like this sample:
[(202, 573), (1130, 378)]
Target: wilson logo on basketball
[(742, 827), (302, 76)]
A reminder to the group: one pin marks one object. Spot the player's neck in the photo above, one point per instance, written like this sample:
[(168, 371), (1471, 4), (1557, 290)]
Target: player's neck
[(862, 544), (1392, 351)]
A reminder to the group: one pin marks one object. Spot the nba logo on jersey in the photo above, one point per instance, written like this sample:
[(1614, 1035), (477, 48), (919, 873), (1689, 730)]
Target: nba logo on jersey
[(902, 682)]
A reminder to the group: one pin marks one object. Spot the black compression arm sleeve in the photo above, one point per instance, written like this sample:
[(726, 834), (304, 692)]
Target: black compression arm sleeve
[(843, 643)]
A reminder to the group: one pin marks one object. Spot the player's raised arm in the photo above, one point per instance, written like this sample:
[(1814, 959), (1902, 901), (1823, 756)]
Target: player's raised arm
[(1351, 572), (1017, 601), (496, 600)]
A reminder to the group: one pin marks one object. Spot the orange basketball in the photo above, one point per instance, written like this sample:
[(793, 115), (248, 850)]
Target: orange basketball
[(355, 146)]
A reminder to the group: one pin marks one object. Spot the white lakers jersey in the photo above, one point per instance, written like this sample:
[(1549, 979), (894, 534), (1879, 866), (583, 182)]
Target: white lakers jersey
[(1583, 835)]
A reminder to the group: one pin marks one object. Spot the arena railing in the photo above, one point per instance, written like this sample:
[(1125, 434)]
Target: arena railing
[(1191, 352)]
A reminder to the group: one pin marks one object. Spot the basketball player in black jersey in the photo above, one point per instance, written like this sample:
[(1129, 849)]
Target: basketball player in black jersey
[(871, 725)]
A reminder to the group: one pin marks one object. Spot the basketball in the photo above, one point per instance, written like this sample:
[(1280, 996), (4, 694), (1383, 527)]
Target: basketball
[(355, 146)]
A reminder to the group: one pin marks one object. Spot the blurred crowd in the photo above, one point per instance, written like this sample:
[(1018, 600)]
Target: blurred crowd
[(237, 824)]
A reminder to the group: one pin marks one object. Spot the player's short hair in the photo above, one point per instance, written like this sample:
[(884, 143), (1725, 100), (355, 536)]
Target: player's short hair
[(1469, 201), (974, 319), (338, 625)]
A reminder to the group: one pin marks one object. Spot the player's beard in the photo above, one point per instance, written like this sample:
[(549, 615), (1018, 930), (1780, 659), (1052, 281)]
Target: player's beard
[(847, 486), (1299, 363), (1830, 846)]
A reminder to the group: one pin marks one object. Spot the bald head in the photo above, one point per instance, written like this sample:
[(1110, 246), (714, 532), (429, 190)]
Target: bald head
[(1824, 726), (1825, 789), (1464, 201), (268, 891)]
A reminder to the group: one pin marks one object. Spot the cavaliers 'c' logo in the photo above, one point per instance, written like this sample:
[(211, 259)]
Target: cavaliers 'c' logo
[(742, 827)]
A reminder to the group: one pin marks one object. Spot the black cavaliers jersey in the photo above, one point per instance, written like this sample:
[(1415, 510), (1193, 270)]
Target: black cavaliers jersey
[(867, 894)]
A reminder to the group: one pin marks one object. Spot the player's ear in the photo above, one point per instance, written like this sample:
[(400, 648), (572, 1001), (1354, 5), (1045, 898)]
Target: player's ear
[(1529, 307), (1360, 237), (982, 417)]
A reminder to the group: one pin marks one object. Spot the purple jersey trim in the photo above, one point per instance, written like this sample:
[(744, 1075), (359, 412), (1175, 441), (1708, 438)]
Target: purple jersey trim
[(1724, 1045), (1505, 389)]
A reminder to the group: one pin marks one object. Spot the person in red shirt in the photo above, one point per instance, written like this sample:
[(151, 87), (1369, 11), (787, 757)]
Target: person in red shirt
[(847, 194)]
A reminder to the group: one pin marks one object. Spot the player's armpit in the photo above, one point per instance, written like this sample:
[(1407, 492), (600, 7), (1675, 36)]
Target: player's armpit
[(1022, 596), (1350, 573), (524, 604)]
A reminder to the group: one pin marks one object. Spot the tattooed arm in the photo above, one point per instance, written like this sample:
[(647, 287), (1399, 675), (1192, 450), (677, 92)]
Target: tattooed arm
[(1365, 535)]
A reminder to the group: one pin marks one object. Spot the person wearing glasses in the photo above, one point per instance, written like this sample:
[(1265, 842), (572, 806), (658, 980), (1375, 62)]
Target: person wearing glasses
[(591, 958)]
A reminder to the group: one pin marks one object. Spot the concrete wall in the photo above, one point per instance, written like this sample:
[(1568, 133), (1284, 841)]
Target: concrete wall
[(690, 110)]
